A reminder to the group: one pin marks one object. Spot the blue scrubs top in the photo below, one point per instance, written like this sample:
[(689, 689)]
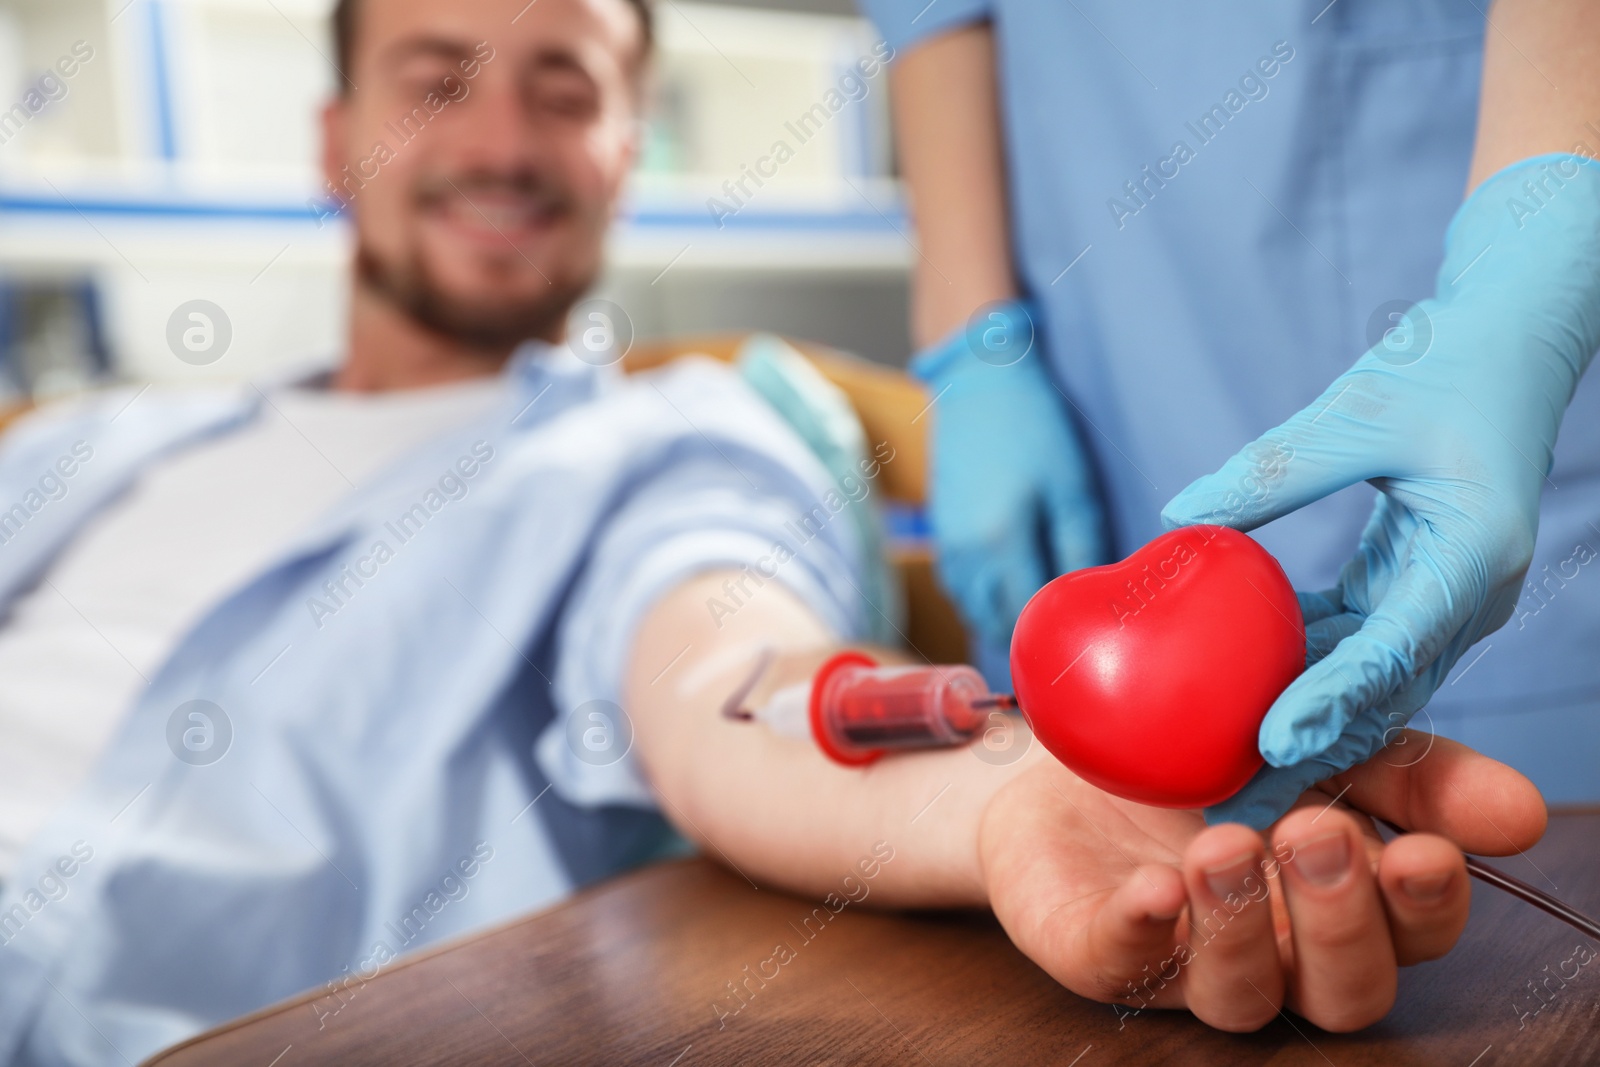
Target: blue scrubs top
[(1215, 208)]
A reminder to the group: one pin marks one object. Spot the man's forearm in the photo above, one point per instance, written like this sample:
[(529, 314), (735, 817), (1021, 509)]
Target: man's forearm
[(776, 809)]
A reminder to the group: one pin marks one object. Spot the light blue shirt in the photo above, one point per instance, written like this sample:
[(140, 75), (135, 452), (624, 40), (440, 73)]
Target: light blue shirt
[(424, 759), (1214, 206)]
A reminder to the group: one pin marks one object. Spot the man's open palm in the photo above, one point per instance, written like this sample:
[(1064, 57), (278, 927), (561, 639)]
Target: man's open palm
[(1148, 908)]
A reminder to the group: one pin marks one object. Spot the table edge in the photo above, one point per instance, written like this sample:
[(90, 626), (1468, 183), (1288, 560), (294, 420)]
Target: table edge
[(582, 896)]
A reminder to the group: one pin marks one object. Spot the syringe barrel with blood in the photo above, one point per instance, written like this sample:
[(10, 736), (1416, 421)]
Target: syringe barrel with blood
[(856, 711)]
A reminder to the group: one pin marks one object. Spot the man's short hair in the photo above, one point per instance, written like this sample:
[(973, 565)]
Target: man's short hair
[(346, 13)]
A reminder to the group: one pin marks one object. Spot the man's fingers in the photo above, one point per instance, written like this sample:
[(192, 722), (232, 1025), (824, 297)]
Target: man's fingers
[(1132, 934), (1426, 893), (1234, 977), (1344, 961), (1429, 783)]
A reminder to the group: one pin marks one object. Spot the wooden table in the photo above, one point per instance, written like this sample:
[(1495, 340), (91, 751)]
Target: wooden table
[(629, 972)]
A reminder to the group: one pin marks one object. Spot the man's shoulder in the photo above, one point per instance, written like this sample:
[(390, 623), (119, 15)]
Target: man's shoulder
[(705, 394), (691, 396), (689, 375), (685, 411)]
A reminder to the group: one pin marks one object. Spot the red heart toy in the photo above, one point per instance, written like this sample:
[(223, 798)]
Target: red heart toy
[(1149, 678)]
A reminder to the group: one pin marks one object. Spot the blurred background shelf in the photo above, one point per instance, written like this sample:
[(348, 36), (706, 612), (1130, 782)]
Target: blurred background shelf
[(177, 160)]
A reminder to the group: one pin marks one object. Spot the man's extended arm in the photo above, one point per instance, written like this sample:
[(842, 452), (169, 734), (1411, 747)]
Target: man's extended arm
[(1091, 887), (775, 808)]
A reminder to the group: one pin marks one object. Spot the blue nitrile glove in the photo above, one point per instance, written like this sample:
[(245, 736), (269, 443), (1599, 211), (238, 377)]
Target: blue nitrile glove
[(1013, 496), (1453, 418)]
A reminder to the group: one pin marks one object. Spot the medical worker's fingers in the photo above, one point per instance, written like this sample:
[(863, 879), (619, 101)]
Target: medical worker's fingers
[(972, 581), (1418, 781), (1324, 448), (1233, 979), (1315, 607), (1427, 893), (1480, 804), (1324, 634), (1131, 937), (1382, 552), (1022, 568), (1269, 794), (1077, 533), (1423, 609), (1343, 976), (991, 578)]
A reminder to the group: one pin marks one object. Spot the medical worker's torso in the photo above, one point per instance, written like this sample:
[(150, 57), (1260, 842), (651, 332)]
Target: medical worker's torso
[(1217, 207)]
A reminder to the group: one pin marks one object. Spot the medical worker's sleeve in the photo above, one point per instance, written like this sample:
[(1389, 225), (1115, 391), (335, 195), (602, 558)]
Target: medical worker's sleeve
[(905, 23)]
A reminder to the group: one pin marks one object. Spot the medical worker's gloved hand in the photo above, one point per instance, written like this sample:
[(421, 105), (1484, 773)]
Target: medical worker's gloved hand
[(1013, 496), (1453, 418)]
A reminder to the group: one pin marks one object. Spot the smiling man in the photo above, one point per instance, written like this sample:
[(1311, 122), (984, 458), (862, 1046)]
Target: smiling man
[(296, 678)]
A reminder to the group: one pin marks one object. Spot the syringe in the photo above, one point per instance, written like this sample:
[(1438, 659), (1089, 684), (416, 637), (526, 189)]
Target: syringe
[(855, 711)]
